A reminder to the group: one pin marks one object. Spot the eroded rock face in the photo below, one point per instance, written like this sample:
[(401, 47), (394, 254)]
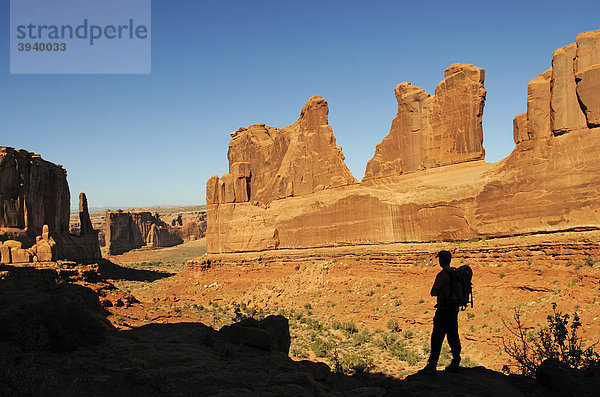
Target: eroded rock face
[(266, 163), (587, 75), (125, 231), (34, 211), (538, 106), (549, 183), (433, 131), (33, 193), (566, 114)]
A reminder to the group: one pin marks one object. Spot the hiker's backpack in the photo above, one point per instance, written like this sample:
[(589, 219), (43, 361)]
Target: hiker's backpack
[(462, 288)]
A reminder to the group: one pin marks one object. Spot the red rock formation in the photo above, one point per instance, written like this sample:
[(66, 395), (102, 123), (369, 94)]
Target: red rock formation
[(433, 131), (125, 231), (33, 193), (34, 199), (266, 163), (548, 183), (188, 226)]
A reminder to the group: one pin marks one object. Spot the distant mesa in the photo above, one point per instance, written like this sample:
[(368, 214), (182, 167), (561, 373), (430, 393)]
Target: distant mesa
[(34, 212), (428, 180), (125, 231), (128, 230)]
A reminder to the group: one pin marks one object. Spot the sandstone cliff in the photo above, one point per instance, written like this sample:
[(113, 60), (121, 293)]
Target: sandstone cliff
[(433, 131), (549, 183), (125, 231), (266, 163), (34, 212), (33, 193)]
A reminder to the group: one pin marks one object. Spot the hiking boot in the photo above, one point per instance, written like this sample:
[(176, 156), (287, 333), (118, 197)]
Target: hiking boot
[(429, 369), (454, 366)]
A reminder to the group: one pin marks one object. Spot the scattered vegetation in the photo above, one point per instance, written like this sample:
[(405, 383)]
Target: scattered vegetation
[(558, 340), (589, 261)]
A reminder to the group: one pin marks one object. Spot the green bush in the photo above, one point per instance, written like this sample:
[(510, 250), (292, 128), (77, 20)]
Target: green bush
[(392, 325), (589, 261), (351, 364), (320, 347), (399, 350)]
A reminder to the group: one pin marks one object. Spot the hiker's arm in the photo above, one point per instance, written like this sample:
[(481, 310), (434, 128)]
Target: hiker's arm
[(436, 286)]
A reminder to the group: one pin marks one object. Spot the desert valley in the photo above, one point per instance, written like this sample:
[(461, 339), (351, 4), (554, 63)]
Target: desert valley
[(295, 278)]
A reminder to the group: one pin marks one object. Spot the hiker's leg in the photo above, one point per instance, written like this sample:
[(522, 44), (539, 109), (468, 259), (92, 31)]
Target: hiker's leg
[(437, 337), (453, 338)]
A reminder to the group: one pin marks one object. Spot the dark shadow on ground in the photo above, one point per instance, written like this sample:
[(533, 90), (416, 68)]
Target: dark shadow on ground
[(54, 336), (112, 271)]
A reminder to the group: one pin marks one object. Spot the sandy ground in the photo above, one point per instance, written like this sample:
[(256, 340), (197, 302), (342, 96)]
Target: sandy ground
[(371, 302)]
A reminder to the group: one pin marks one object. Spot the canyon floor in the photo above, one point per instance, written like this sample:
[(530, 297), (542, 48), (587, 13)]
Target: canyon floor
[(367, 307), (150, 322)]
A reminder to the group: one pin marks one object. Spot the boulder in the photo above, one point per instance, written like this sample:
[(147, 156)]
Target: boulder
[(13, 244), (5, 254), (45, 252), (271, 333), (20, 255)]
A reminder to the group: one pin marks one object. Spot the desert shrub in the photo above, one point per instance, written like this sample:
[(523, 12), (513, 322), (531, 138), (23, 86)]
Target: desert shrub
[(558, 340), (445, 356), (360, 338), (589, 261), (320, 347), (392, 325), (407, 334), (351, 364), (468, 362), (349, 327), (402, 352), (299, 351)]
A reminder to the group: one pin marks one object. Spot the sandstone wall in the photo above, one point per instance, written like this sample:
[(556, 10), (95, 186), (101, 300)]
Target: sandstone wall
[(34, 212), (33, 193), (266, 163), (125, 231), (549, 183), (433, 131)]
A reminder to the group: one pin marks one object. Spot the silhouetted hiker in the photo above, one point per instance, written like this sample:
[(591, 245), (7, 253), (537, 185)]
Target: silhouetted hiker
[(445, 321)]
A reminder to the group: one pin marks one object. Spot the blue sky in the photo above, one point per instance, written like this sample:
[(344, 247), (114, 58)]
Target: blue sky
[(141, 140)]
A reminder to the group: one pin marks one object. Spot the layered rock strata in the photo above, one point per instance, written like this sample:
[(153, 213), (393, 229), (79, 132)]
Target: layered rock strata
[(549, 183), (125, 231), (433, 131)]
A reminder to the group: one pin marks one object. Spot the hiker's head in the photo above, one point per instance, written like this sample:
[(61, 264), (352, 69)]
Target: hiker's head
[(444, 257)]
